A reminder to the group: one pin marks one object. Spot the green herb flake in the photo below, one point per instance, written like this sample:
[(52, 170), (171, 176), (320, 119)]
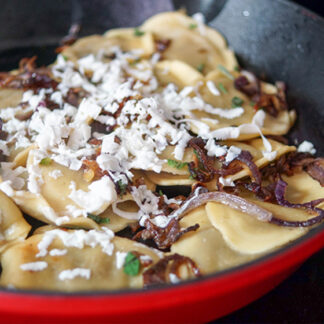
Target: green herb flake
[(201, 67), (176, 164), (252, 103), (237, 102), (65, 57), (98, 219), (161, 193), (122, 187), (222, 88), (225, 71), (193, 26), (132, 264), (138, 32), (236, 68), (45, 161)]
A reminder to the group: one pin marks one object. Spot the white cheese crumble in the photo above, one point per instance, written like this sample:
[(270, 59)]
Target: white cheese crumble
[(71, 274), (200, 19), (78, 239), (212, 88), (232, 153), (34, 266), (120, 259), (306, 147), (57, 252), (100, 192), (174, 278), (226, 182)]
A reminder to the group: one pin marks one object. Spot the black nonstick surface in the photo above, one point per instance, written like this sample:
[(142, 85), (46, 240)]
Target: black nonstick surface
[(275, 39)]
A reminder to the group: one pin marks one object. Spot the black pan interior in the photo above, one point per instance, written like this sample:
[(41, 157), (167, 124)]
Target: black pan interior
[(275, 39)]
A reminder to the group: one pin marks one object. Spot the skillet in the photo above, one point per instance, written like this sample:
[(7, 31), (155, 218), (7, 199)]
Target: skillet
[(276, 40)]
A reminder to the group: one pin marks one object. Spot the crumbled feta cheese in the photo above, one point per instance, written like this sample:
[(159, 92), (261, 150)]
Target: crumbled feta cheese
[(57, 252), (212, 88), (200, 19), (232, 153), (78, 239), (70, 274), (174, 278), (100, 192), (226, 182), (120, 259), (306, 147), (34, 266)]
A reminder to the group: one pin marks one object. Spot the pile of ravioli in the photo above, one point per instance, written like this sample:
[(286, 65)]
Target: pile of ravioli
[(91, 145)]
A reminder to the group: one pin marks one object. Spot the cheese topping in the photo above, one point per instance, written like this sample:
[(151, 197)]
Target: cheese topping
[(34, 266), (78, 239), (73, 273)]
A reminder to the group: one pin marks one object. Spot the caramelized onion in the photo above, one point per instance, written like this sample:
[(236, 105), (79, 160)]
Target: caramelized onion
[(164, 237), (316, 170), (280, 190), (29, 77), (160, 272), (247, 83), (224, 198), (246, 158), (252, 209)]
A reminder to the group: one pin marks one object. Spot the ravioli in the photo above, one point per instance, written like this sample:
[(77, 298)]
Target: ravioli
[(279, 125), (207, 246), (123, 38), (70, 268), (13, 226), (206, 45), (246, 234), (56, 201)]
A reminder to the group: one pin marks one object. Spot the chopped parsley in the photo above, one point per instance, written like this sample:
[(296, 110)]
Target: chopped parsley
[(193, 26), (122, 187), (252, 103), (225, 71), (201, 67), (132, 264), (98, 219), (237, 102), (45, 161), (65, 57), (176, 164), (236, 68), (138, 32), (160, 192), (222, 88)]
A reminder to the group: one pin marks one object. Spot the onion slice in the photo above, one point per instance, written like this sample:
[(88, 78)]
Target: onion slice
[(198, 199), (224, 198), (280, 190)]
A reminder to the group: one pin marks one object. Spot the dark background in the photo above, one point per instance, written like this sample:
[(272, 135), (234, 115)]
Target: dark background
[(300, 298), (315, 5)]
